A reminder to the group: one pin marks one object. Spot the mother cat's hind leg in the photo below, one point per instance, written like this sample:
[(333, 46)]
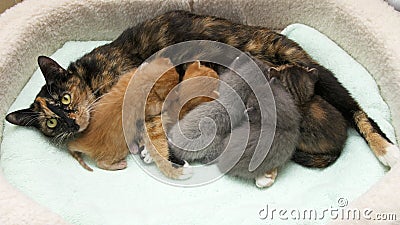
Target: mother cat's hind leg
[(267, 179)]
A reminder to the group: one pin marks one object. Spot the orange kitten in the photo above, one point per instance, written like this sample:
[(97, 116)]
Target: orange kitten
[(157, 144), (104, 139), (202, 85)]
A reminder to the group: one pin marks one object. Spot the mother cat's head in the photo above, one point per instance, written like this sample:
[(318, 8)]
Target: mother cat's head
[(62, 107)]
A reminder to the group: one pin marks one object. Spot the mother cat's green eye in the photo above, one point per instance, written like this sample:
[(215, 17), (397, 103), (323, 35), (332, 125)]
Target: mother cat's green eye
[(66, 99), (51, 123)]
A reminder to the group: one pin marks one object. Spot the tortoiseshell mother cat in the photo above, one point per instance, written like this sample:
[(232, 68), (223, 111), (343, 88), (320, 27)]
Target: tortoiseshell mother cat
[(62, 107)]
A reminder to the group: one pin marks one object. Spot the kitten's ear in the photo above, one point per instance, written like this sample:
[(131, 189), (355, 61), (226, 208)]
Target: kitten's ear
[(193, 66), (23, 117), (51, 69), (273, 80), (273, 72), (197, 63), (313, 73)]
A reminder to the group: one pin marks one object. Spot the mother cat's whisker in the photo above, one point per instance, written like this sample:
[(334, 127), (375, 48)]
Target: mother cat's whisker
[(93, 104), (57, 139), (100, 87), (60, 139), (92, 101), (31, 121), (106, 103), (48, 90), (33, 118)]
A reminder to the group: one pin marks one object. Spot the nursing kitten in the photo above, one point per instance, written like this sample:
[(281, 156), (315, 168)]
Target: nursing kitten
[(62, 107), (234, 142), (206, 84), (282, 148), (323, 130), (156, 146), (104, 139)]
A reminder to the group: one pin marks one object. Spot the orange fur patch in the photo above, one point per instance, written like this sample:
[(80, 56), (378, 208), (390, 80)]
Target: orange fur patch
[(205, 82), (317, 112), (375, 141), (44, 107)]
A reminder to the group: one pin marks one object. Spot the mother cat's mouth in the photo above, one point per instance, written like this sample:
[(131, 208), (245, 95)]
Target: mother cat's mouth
[(81, 119)]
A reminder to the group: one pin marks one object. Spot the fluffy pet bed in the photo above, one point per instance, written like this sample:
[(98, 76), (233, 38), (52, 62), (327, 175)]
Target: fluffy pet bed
[(368, 31)]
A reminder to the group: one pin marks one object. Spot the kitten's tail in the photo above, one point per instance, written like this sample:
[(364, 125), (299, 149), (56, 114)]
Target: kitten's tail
[(78, 157), (314, 160)]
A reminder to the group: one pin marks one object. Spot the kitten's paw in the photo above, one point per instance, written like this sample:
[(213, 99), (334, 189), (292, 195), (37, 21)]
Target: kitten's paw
[(391, 157), (145, 155), (181, 168), (267, 179), (114, 166), (175, 171), (187, 172), (120, 165), (263, 181)]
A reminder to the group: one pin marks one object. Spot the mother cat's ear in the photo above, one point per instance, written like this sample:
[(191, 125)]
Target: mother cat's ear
[(23, 117), (51, 69)]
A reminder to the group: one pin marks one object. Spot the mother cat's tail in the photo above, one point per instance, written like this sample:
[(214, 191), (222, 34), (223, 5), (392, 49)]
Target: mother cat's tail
[(329, 88), (384, 149)]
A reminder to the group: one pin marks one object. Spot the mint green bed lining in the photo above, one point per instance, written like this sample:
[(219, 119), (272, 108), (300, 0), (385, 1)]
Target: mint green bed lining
[(53, 178)]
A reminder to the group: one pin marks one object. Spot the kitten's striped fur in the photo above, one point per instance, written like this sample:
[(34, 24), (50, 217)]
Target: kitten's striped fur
[(323, 130)]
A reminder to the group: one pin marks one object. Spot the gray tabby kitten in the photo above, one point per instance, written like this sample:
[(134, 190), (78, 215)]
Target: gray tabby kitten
[(205, 134)]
